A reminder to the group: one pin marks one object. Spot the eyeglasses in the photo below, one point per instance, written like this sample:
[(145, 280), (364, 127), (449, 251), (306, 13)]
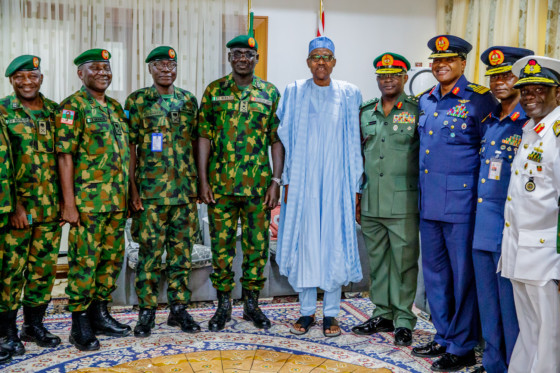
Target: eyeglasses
[(389, 76), (163, 65), (237, 55), (319, 57)]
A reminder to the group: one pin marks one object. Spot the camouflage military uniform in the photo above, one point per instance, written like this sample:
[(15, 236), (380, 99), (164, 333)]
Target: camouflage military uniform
[(241, 126), (97, 138), (31, 253), (167, 184), (7, 190)]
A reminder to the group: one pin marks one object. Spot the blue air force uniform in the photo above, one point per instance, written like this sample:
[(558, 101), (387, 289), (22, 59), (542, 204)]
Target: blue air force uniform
[(450, 130), (498, 148)]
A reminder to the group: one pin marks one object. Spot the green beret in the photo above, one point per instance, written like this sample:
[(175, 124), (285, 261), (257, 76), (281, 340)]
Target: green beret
[(243, 41), (391, 63), (92, 55), (162, 53), (26, 62)]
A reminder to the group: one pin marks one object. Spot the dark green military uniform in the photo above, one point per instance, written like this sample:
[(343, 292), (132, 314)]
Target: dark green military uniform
[(97, 137), (241, 125), (31, 253), (390, 206), (166, 178), (7, 189)]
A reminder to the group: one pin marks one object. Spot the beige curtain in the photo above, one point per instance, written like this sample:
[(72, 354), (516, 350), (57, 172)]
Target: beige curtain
[(59, 30), (532, 24)]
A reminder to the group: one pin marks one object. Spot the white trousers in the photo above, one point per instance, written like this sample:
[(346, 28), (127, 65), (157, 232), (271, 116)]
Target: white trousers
[(308, 302), (537, 349)]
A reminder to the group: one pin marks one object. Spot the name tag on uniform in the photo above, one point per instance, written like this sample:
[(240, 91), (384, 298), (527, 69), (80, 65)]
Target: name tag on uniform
[(495, 169), (157, 142), (42, 127)]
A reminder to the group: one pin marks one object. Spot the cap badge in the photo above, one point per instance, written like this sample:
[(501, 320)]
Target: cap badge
[(532, 67), (105, 54), (251, 42), (496, 57), (387, 60), (35, 62), (171, 53), (442, 43)]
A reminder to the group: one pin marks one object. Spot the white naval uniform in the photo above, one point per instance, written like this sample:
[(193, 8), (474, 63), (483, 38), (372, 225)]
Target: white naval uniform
[(529, 256)]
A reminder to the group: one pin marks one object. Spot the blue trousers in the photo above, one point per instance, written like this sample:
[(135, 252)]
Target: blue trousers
[(308, 302), (497, 311), (449, 280)]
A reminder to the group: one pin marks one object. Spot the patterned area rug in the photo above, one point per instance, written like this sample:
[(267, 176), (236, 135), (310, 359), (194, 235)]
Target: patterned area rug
[(375, 351)]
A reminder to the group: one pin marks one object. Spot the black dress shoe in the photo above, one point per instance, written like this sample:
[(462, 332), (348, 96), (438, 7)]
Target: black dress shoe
[(33, 329), (222, 314), (374, 325), (181, 318), (403, 337), (452, 363), (146, 322), (103, 323), (252, 311), (432, 349)]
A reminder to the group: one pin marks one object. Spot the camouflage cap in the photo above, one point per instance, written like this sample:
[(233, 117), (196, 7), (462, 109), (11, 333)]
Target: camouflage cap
[(162, 53), (391, 63), (25, 62), (93, 55)]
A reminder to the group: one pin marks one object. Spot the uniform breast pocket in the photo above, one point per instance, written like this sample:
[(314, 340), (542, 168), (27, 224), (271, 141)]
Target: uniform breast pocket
[(402, 139), (369, 132), (45, 136), (461, 130), (99, 139), (259, 116)]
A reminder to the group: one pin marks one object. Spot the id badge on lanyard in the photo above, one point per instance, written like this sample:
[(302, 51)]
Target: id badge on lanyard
[(495, 170), (157, 142)]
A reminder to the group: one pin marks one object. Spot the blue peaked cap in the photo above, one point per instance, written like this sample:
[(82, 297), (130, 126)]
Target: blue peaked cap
[(321, 42)]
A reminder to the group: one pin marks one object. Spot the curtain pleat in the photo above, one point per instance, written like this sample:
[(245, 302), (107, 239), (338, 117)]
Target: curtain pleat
[(59, 30)]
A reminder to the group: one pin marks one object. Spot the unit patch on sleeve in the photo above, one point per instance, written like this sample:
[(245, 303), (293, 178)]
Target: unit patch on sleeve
[(67, 116)]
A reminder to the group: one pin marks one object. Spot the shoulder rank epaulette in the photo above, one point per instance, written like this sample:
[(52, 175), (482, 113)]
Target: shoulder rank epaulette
[(412, 99), (368, 103), (426, 91), (480, 89)]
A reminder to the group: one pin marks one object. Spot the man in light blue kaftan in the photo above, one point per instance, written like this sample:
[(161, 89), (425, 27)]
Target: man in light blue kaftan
[(320, 131)]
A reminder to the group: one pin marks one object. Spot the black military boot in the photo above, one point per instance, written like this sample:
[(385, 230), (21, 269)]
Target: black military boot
[(180, 317), (33, 329), (251, 310), (81, 334), (146, 322), (11, 341), (5, 356), (223, 312), (103, 323)]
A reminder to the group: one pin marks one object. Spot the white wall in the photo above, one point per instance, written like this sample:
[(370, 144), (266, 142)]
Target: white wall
[(360, 29)]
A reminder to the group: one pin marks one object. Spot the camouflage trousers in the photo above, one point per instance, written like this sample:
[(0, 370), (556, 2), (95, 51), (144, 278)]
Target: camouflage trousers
[(255, 220), (95, 258), (3, 232), (29, 265), (160, 229)]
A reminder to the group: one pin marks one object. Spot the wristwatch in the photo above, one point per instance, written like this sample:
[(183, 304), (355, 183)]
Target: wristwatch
[(278, 180)]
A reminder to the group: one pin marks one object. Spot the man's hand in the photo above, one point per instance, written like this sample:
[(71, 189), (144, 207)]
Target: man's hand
[(272, 196), (206, 195), (18, 219), (70, 215), (286, 193), (358, 210), (135, 202)]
